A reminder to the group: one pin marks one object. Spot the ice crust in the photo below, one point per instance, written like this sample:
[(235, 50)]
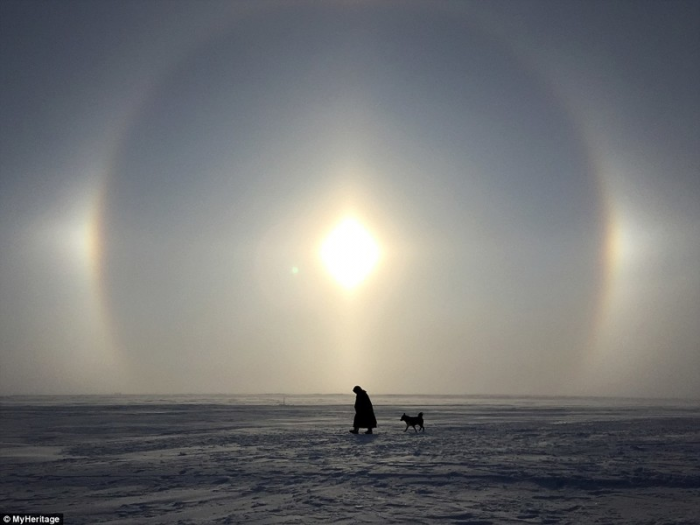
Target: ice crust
[(285, 459)]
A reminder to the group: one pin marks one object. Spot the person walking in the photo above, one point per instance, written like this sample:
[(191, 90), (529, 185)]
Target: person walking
[(364, 412)]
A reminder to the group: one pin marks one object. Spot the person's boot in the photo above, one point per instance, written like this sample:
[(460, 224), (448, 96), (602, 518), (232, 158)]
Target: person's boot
[(354, 431), (369, 431)]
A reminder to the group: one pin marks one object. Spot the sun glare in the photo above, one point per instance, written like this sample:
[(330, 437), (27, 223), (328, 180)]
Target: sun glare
[(349, 253)]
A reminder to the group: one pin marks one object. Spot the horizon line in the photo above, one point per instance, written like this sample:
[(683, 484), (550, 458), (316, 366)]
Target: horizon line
[(332, 394)]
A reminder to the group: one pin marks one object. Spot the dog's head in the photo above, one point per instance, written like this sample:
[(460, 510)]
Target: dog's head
[(404, 417)]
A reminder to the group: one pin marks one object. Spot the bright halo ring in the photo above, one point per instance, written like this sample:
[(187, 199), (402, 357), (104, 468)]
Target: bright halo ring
[(349, 253)]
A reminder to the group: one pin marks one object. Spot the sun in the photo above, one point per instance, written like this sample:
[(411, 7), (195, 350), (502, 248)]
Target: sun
[(349, 253)]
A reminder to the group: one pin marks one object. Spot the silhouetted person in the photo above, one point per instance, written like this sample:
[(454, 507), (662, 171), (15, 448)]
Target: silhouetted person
[(364, 412)]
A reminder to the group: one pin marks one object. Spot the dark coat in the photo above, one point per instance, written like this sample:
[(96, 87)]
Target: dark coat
[(364, 411)]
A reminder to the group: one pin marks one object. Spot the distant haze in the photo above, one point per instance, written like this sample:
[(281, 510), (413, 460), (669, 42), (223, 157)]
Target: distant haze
[(529, 171)]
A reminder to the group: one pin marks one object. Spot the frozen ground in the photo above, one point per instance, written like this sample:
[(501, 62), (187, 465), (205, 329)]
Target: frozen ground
[(253, 460)]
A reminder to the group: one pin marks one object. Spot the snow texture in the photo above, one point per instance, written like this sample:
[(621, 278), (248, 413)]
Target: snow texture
[(275, 459)]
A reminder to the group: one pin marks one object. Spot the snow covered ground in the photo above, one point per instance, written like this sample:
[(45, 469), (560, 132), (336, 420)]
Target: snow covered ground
[(275, 459)]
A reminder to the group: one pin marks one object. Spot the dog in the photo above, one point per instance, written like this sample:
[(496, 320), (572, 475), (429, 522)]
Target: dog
[(413, 421)]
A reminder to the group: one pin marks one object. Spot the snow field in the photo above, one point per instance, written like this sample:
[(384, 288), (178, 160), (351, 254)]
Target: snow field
[(475, 464)]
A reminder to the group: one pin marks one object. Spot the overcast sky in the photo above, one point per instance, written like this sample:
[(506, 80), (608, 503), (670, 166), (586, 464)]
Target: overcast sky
[(529, 170)]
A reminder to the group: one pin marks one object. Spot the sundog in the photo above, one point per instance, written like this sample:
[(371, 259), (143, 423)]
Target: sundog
[(413, 421)]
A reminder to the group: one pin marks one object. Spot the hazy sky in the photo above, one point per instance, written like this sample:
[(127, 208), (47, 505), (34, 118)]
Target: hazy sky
[(529, 170)]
